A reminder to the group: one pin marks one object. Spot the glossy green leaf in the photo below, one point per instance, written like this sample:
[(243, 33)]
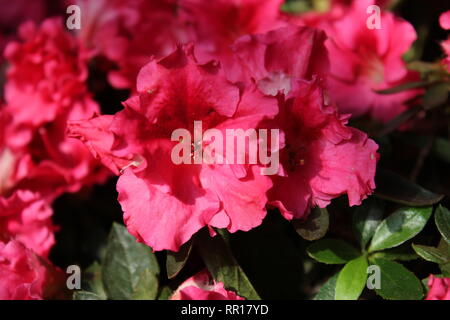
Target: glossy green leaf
[(430, 253), (442, 220), (332, 251), (328, 290), (444, 246), (177, 260), (397, 282), (86, 295), (400, 253), (130, 268), (366, 219), (395, 188), (445, 269), (223, 266), (352, 279), (92, 280), (316, 225), (164, 293), (399, 227)]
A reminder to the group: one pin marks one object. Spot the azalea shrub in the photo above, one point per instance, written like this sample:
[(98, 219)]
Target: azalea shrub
[(225, 150)]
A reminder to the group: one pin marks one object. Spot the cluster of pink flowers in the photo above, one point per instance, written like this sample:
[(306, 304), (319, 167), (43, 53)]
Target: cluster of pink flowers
[(243, 67), (232, 64), (45, 88)]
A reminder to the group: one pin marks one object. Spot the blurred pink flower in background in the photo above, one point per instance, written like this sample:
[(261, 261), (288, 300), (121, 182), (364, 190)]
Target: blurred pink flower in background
[(364, 60), (26, 276), (444, 21), (215, 25), (47, 74), (130, 33)]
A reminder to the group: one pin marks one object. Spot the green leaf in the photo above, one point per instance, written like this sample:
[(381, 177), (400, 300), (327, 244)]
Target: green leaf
[(404, 87), (399, 227), (444, 247), (442, 220), (328, 290), (424, 67), (332, 251), (316, 225), (85, 295), (130, 269), (430, 254), (352, 279), (401, 253), (92, 280), (177, 260), (366, 218), (436, 95), (395, 188), (223, 266), (164, 293), (445, 269), (295, 7), (397, 282)]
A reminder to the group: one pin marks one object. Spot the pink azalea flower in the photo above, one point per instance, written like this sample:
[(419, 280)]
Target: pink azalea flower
[(217, 24), (323, 158), (364, 60), (26, 216), (439, 288), (165, 203), (25, 213), (202, 287), (444, 21), (14, 13), (276, 59), (130, 33), (46, 87), (26, 276)]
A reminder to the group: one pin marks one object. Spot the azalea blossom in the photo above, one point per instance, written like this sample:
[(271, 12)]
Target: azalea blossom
[(165, 203), (202, 287), (45, 88), (215, 25), (26, 276), (14, 13), (275, 60), (444, 21), (439, 288), (323, 158), (130, 33), (363, 60)]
